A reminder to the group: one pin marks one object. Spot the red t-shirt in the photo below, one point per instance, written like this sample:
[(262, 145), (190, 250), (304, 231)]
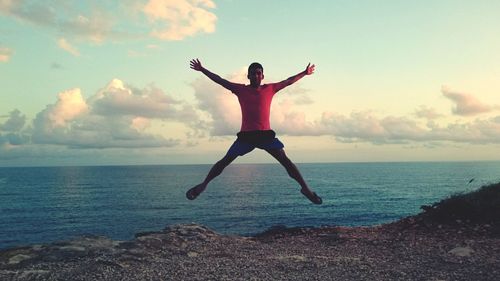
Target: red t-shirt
[(255, 105)]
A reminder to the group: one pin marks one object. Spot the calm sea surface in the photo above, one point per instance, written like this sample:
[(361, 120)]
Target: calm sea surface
[(39, 205)]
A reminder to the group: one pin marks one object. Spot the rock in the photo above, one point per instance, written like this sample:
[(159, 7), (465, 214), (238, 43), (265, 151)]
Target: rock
[(151, 241), (295, 258), (33, 274), (462, 251), (191, 231), (192, 254), (19, 258), (73, 248)]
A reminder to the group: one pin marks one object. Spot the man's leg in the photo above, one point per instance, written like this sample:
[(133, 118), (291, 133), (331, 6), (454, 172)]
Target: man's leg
[(294, 173), (216, 170)]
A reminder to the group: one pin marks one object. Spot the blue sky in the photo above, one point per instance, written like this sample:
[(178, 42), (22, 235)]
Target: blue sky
[(108, 82)]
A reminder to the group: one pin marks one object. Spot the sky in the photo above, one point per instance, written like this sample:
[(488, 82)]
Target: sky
[(109, 83)]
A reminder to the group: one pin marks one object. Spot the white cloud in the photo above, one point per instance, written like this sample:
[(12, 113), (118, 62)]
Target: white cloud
[(359, 126), (70, 104), (221, 105), (465, 104), (65, 45), (5, 54), (287, 119), (119, 99), (116, 116), (177, 19)]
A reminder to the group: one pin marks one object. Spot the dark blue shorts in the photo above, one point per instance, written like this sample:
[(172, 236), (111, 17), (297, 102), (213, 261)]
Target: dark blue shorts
[(248, 141)]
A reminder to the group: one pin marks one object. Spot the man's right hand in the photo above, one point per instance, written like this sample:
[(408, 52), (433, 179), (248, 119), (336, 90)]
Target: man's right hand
[(196, 65)]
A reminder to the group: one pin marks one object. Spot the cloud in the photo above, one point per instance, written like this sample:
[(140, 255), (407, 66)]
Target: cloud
[(221, 106), (117, 116), (95, 27), (100, 132), (287, 118), (177, 19), (465, 104), (479, 131), (15, 122), (56, 65), (64, 18), (135, 54), (6, 5), (299, 95), (99, 21), (69, 106), (13, 139), (153, 47), (427, 113), (122, 116), (65, 45), (118, 99), (224, 115), (10, 130), (5, 54), (366, 127)]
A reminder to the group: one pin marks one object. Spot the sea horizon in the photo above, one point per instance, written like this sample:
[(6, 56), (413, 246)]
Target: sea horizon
[(243, 163)]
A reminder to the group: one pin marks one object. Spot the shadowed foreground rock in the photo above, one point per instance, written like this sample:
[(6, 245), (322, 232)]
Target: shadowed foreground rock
[(406, 250)]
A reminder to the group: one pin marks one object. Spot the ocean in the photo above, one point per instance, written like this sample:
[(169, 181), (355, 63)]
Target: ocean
[(47, 204)]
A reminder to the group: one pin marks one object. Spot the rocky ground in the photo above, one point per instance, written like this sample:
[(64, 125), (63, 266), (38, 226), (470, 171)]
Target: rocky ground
[(410, 249)]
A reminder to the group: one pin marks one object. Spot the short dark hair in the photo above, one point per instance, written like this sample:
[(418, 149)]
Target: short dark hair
[(255, 65)]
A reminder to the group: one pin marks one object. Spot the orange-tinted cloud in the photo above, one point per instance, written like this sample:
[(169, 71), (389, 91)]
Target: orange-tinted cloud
[(5, 54), (465, 104), (65, 45), (177, 19), (99, 21)]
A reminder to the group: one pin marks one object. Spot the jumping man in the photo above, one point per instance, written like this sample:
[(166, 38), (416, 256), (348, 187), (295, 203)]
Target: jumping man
[(255, 102)]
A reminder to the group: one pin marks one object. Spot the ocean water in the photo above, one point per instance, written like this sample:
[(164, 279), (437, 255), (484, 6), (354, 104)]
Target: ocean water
[(41, 205)]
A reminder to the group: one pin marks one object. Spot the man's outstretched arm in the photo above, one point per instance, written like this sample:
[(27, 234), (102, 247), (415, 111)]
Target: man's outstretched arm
[(290, 80), (196, 65)]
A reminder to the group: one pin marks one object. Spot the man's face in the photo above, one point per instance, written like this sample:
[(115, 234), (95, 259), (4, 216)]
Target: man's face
[(255, 76)]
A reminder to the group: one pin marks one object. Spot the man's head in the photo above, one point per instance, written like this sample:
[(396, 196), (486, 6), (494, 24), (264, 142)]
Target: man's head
[(255, 74)]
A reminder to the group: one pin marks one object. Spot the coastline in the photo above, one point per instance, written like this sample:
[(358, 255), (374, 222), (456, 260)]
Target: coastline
[(457, 238), (409, 249)]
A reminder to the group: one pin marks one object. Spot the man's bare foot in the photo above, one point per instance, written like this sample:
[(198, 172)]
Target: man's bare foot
[(192, 193), (312, 196)]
